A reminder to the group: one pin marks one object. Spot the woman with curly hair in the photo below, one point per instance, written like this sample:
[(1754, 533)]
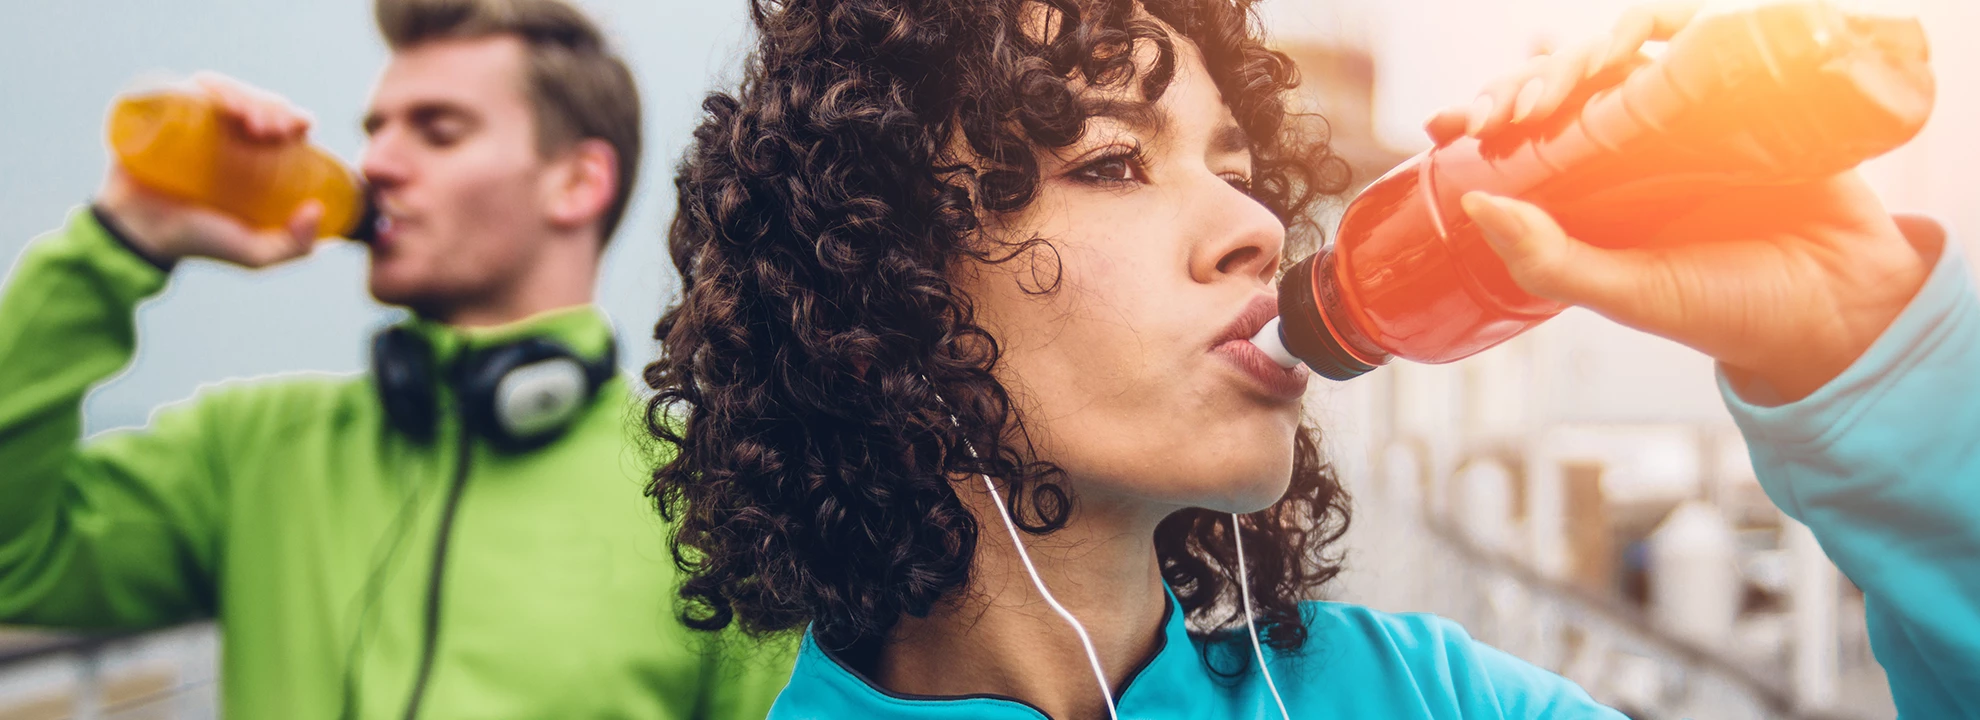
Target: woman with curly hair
[(961, 381)]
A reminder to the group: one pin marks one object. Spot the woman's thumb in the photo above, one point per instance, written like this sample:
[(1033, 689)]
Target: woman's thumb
[(1546, 262)]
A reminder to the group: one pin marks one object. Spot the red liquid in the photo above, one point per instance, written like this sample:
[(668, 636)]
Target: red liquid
[(1789, 92)]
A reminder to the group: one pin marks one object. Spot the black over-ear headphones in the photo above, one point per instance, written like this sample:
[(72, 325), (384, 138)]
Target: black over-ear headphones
[(519, 396)]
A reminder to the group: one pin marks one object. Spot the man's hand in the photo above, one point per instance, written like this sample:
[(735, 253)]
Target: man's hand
[(1789, 284), (167, 230)]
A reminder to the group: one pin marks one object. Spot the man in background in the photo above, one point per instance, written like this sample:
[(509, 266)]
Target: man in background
[(458, 533)]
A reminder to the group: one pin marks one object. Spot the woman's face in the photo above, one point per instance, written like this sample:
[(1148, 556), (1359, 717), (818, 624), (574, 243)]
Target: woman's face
[(1135, 374)]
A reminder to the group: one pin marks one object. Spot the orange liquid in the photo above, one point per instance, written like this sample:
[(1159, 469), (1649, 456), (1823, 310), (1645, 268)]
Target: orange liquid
[(1783, 93), (177, 144)]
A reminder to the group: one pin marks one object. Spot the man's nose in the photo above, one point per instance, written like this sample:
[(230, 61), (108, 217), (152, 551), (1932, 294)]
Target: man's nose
[(383, 164)]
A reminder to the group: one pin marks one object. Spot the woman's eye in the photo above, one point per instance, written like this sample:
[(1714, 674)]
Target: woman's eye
[(1116, 169), (1242, 183)]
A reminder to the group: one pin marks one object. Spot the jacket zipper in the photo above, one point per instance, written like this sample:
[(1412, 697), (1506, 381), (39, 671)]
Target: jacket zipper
[(434, 580)]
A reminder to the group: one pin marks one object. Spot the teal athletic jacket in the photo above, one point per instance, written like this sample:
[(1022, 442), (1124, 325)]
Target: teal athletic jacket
[(289, 511), (1883, 464)]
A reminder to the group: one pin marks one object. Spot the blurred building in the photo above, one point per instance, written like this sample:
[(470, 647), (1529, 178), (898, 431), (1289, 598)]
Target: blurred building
[(1579, 496)]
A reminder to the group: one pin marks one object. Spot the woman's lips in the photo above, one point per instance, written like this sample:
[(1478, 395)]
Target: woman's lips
[(1279, 382), (1234, 344)]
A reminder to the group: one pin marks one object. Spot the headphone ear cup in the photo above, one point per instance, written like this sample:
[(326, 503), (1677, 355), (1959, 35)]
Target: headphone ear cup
[(524, 395), (402, 370)]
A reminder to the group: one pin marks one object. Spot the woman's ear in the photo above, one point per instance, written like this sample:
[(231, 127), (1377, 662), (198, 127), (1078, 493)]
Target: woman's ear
[(583, 184)]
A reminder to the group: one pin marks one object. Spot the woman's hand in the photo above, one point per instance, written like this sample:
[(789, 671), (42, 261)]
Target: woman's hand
[(1789, 284)]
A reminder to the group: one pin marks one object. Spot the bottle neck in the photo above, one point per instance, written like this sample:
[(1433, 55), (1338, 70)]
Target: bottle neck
[(1315, 324)]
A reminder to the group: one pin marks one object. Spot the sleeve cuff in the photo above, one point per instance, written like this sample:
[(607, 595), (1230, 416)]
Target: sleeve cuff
[(116, 231), (88, 242), (1940, 328)]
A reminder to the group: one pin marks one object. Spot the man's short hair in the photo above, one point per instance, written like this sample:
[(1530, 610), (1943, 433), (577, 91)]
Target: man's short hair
[(579, 86)]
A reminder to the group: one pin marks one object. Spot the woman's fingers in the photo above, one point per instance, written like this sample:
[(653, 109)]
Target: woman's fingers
[(1447, 124), (1639, 24), (1493, 109), (1558, 79), (1626, 285), (1537, 91)]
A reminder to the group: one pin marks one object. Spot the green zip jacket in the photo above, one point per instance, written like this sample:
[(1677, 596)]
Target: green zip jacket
[(291, 512)]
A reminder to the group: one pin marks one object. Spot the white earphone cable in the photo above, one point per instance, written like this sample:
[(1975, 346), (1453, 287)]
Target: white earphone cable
[(1085, 641), (1092, 656), (1250, 623)]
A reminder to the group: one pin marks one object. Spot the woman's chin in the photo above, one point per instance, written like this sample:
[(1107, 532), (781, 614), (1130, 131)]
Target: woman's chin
[(1248, 494)]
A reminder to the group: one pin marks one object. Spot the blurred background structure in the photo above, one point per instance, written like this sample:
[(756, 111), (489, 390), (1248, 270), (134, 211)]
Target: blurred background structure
[(1578, 497)]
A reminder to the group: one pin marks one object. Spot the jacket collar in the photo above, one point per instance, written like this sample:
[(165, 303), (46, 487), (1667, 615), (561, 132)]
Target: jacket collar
[(582, 328)]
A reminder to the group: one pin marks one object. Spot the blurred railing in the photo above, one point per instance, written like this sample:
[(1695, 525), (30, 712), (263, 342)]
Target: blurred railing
[(1420, 556), (166, 674), (1606, 646)]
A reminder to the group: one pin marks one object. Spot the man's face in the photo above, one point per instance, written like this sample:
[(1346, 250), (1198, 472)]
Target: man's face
[(453, 159)]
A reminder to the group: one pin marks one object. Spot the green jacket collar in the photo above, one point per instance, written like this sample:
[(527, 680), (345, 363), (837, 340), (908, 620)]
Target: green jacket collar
[(582, 328)]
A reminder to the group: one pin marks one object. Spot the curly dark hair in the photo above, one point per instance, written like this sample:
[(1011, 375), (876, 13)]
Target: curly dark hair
[(808, 374)]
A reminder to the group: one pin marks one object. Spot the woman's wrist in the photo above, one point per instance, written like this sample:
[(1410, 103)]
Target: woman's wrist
[(1868, 301)]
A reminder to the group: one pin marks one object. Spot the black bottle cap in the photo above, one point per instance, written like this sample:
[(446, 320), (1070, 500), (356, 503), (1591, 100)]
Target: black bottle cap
[(366, 229), (1303, 329)]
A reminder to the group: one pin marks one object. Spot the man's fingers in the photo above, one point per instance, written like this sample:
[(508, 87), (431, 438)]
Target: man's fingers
[(305, 225), (1625, 285), (227, 239), (233, 101), (263, 248), (260, 114), (295, 239)]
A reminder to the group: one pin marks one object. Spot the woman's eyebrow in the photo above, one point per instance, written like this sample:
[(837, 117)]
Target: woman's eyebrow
[(1230, 139), (1140, 116)]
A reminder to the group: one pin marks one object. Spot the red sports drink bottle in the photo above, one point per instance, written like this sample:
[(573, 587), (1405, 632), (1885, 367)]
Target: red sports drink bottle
[(1785, 92)]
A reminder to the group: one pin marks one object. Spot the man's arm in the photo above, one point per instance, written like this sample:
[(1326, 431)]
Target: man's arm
[(117, 533), (1883, 464), (124, 531)]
